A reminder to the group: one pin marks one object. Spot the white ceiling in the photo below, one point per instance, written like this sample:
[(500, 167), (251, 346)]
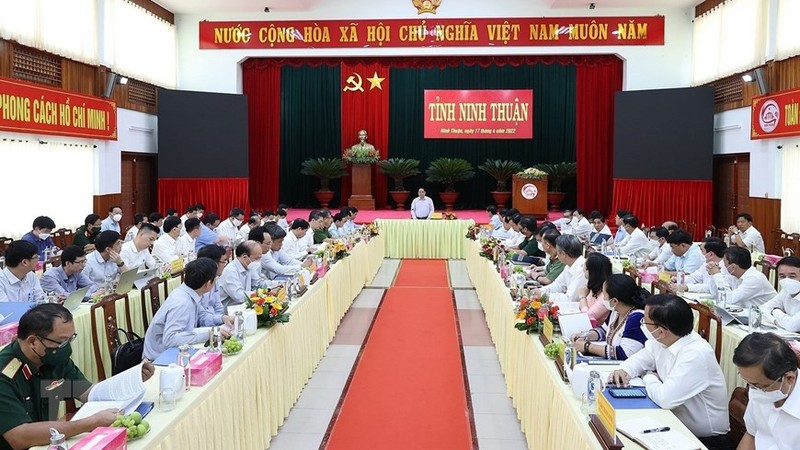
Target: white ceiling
[(252, 6)]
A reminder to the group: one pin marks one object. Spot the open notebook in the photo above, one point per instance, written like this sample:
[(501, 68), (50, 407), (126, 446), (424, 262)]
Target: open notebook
[(663, 440), (124, 391)]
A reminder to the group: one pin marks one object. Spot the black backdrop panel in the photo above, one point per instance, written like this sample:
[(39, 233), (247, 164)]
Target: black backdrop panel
[(202, 135), (664, 134)]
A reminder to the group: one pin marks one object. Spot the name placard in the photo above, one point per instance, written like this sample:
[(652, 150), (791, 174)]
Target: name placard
[(547, 329), (607, 416)]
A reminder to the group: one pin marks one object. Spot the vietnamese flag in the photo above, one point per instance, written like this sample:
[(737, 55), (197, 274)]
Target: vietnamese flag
[(365, 106)]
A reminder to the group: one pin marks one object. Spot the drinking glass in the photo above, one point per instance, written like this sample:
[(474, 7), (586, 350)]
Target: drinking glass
[(166, 400)]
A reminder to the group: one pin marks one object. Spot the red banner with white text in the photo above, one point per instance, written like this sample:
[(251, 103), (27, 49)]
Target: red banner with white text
[(29, 108), (479, 114), (776, 115), (433, 32)]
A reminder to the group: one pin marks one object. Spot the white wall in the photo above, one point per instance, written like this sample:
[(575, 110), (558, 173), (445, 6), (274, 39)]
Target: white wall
[(647, 67), (136, 132)]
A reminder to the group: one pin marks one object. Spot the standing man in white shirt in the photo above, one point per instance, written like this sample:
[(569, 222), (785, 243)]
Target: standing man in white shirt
[(750, 287), (230, 226), (784, 308), (136, 253), (769, 366), (566, 287), (745, 235), (636, 244), (165, 247), (422, 206), (680, 371), (112, 221)]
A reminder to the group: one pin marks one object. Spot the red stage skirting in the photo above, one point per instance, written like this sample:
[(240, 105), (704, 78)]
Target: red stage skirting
[(218, 195), (655, 201)]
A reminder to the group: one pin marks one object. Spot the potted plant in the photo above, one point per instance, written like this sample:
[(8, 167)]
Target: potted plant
[(326, 169), (556, 174), (399, 169), (449, 171), (501, 171)]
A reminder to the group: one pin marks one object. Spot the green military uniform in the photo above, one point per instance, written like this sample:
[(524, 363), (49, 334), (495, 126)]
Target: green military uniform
[(21, 399), (554, 269), (80, 239), (531, 247), (321, 235)]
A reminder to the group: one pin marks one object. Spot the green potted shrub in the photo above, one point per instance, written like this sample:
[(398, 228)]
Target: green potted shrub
[(501, 170), (399, 169), (449, 171), (556, 174), (325, 169)]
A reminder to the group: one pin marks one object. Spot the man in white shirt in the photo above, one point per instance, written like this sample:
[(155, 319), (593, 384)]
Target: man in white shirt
[(275, 263), (422, 206), (700, 280), (516, 237), (189, 232), (580, 226), (165, 247), (769, 366), (686, 255), (191, 213), (236, 282), (244, 230), (494, 218), (566, 286), (784, 308), (622, 234), (230, 226), (350, 224), (745, 235), (636, 244), (599, 227), (18, 282), (505, 231), (105, 263), (136, 253), (679, 370), (111, 223), (564, 224), (138, 220), (337, 229), (661, 252), (294, 245), (750, 287)]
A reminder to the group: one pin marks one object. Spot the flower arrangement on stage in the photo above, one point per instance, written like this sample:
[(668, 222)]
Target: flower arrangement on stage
[(487, 249), (474, 232), (447, 215), (532, 173), (372, 229), (531, 312), (357, 155), (270, 306)]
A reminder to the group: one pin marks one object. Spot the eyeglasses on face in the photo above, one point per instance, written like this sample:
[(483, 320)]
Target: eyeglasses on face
[(58, 344)]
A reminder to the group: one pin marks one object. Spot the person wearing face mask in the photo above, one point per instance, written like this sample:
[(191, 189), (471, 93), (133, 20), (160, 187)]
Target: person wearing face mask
[(111, 223), (236, 281), (18, 281), (592, 297), (563, 223), (784, 308), (621, 334), (40, 235), (86, 233), (769, 367), (179, 319), (529, 247), (680, 370), (230, 226), (662, 251), (547, 274), (567, 286), (700, 280), (42, 353), (750, 287), (579, 226)]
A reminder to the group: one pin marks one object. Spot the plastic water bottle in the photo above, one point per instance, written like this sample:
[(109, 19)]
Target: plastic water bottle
[(594, 387), (727, 240), (755, 319), (184, 361), (238, 325), (57, 440), (680, 279), (722, 298)]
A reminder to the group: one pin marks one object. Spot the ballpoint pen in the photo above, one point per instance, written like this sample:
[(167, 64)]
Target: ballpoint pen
[(656, 430)]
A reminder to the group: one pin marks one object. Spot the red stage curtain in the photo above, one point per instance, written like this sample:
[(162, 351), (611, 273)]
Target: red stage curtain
[(218, 195), (368, 110), (655, 201), (595, 86), (263, 89)]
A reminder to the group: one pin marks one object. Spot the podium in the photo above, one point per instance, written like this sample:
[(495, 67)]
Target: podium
[(361, 193), (529, 196)]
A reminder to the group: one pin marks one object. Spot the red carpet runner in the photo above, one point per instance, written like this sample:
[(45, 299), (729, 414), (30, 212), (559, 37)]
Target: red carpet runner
[(408, 389)]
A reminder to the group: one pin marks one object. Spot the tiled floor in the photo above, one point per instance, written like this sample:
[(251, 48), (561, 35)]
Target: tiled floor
[(495, 419)]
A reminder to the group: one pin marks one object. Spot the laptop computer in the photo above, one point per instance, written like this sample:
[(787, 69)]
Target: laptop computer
[(126, 280), (144, 276), (728, 318), (75, 298)]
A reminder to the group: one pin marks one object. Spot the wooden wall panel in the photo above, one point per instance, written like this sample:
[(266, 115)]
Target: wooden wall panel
[(79, 77), (766, 214), (6, 57), (103, 202)]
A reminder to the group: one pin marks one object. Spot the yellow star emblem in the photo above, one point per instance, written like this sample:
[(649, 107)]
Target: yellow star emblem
[(375, 82)]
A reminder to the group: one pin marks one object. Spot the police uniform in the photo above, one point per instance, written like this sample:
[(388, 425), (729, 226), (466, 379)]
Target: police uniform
[(21, 399)]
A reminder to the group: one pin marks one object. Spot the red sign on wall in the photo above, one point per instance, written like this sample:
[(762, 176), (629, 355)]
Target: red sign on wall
[(29, 108), (433, 32), (478, 114), (776, 115)]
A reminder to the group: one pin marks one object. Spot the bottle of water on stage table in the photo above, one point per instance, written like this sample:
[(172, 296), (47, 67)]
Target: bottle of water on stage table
[(680, 279), (754, 321)]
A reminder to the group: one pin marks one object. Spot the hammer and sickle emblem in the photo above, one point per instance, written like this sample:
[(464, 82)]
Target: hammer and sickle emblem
[(354, 83)]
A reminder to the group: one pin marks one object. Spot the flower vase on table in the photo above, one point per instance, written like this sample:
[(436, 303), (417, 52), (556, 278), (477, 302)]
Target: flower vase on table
[(270, 306), (531, 312)]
